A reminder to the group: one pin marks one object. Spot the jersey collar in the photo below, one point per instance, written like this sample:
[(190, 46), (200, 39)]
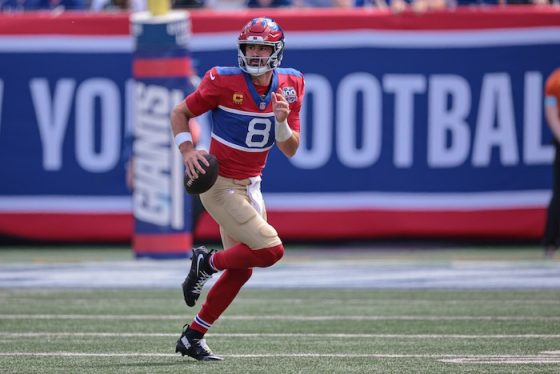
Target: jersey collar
[(262, 102)]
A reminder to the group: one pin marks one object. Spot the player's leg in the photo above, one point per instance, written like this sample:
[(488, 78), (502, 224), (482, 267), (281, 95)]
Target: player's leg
[(220, 296), (231, 206), (222, 293), (227, 241), (257, 245)]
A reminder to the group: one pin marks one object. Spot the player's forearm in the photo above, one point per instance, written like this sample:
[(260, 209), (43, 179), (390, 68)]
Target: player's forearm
[(180, 117), (179, 120), (290, 146)]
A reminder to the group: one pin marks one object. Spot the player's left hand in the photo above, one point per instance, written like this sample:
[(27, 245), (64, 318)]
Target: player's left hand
[(280, 106)]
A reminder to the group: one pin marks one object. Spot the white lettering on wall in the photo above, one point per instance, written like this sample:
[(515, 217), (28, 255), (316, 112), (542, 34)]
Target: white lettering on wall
[(106, 93), (52, 117), (53, 113), (534, 152), (155, 159), (351, 153), (449, 104), (404, 87), (495, 124), (456, 135)]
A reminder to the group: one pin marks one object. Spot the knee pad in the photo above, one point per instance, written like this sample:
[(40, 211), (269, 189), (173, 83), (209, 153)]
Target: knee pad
[(270, 256)]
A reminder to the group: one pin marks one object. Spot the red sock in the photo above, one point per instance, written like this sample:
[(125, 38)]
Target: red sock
[(220, 297), (240, 256)]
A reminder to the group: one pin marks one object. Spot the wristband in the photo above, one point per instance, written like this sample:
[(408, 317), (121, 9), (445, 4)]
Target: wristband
[(182, 137), (282, 131), (550, 101)]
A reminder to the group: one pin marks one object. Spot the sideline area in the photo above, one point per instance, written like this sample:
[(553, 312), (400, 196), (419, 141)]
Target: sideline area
[(309, 267)]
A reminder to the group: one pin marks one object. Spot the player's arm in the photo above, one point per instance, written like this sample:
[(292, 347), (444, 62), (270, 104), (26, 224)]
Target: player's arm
[(192, 158), (287, 139), (203, 99), (552, 116)]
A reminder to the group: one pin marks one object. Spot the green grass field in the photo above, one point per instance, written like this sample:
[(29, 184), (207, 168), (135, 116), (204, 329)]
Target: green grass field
[(284, 331)]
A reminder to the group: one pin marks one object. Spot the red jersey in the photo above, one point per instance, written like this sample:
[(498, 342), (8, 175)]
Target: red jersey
[(242, 117)]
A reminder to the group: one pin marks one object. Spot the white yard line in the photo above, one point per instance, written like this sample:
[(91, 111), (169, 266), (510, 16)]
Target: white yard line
[(379, 301), (117, 317), (449, 358), (286, 335), (539, 359)]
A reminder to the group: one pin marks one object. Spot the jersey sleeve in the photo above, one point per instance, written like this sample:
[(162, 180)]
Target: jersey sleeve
[(295, 108), (206, 96)]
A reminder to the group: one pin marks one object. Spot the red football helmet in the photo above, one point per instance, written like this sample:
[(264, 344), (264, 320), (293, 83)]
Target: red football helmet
[(261, 31)]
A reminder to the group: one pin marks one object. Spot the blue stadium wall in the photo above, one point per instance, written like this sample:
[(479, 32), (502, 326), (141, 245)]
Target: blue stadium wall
[(414, 125)]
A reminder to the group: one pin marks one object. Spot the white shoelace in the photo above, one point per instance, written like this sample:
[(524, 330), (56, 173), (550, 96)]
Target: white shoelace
[(204, 276)]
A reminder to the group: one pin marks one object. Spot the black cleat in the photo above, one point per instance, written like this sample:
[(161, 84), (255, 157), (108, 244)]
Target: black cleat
[(198, 275), (192, 344)]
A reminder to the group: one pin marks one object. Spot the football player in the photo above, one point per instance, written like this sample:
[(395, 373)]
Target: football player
[(253, 107)]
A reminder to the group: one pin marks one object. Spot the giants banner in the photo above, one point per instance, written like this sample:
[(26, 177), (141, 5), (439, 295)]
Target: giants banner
[(413, 125)]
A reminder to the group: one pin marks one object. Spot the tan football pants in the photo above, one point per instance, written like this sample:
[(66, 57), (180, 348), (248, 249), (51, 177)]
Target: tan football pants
[(238, 207)]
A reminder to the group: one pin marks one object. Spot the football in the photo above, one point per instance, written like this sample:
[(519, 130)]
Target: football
[(204, 181)]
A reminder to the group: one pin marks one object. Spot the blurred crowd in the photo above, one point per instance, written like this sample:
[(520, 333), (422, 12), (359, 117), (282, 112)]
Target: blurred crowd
[(139, 5)]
